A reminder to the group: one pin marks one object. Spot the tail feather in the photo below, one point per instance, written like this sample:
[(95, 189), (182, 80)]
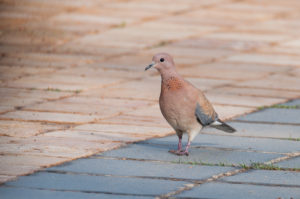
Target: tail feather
[(219, 124)]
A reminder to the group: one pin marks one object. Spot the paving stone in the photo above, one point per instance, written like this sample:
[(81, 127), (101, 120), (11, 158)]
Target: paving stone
[(266, 177), (226, 112), (248, 37), (202, 54), (227, 70), (102, 107), (139, 131), (55, 146), (104, 184), (16, 93), (148, 89), (60, 118), (260, 130), (136, 120), (240, 100), (290, 163), (289, 116), (93, 136), (228, 142), (29, 193), (140, 168), (259, 92), (228, 191), (206, 155), (63, 82), (29, 160), (278, 81), (283, 60), (26, 129)]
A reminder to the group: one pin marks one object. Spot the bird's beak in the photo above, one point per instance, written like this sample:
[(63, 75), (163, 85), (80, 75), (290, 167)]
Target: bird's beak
[(150, 65)]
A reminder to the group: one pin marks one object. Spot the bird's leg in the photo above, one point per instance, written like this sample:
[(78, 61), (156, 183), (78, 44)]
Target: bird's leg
[(179, 144), (179, 149), (186, 151)]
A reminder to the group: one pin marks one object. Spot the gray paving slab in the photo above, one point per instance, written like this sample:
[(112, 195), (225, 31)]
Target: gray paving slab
[(291, 163), (292, 103), (99, 184), (244, 191), (274, 115), (27, 193), (267, 177), (141, 168), (214, 156), (233, 142), (260, 130)]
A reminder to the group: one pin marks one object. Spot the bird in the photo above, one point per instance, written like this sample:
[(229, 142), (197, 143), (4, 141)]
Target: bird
[(184, 106)]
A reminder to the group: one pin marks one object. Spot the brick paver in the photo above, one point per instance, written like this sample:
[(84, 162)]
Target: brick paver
[(71, 73)]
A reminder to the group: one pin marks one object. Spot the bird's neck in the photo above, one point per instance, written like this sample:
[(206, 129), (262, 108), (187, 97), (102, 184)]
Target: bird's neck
[(171, 81)]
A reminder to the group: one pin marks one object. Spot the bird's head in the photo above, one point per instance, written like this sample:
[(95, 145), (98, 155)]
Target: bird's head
[(162, 62)]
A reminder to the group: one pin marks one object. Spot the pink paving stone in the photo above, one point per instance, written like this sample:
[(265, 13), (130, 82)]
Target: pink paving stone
[(259, 92), (14, 72), (207, 84), (226, 112), (4, 178), (14, 98), (188, 52), (60, 118), (145, 89), (218, 44), (26, 129), (63, 82), (92, 136), (18, 170), (102, 107), (248, 36), (258, 7), (294, 43), (111, 68), (138, 131), (33, 93), (54, 146), (239, 100), (153, 6), (227, 70), (135, 62), (287, 82), (281, 60), (137, 120), (28, 160), (47, 60)]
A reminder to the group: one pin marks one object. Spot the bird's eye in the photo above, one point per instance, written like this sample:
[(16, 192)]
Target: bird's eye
[(162, 60)]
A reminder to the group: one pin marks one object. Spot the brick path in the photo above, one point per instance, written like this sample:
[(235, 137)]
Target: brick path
[(72, 80)]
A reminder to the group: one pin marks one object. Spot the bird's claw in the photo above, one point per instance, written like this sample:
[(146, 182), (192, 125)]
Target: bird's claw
[(179, 153)]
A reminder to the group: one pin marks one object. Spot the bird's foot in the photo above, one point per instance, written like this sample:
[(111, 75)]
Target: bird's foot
[(179, 153)]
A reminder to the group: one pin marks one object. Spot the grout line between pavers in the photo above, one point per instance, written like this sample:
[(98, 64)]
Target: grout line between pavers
[(120, 176), (81, 191), (259, 184)]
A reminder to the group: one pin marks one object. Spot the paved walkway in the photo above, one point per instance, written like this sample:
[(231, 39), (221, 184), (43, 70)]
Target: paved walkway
[(72, 82), (262, 160)]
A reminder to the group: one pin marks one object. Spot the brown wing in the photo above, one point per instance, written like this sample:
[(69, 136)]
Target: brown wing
[(205, 112)]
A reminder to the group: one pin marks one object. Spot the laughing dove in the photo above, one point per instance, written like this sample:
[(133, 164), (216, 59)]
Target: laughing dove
[(184, 106)]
